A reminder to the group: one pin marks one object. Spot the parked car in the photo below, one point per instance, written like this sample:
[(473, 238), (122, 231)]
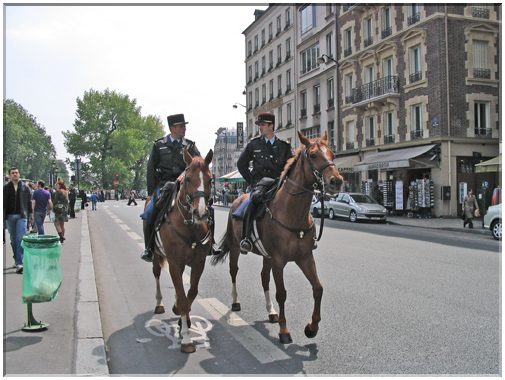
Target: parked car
[(315, 207), (356, 206), (492, 220)]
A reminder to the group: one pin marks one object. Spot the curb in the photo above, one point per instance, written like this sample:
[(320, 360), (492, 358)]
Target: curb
[(91, 359)]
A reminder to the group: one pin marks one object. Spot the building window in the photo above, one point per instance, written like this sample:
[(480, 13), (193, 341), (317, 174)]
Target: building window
[(331, 132), (370, 131), (256, 70), (249, 79), (264, 93), (331, 92), (250, 100), (279, 85), (387, 67), (257, 97), (308, 18), (347, 42), (368, 26), (389, 136), (255, 44), (348, 89), (288, 110), (263, 38), (414, 15), (249, 49), (329, 44), (279, 25), (303, 104), (309, 59), (288, 81), (263, 66), (288, 48), (279, 55), (416, 73), (480, 10), (317, 99), (387, 25), (312, 133), (349, 135), (482, 124), (330, 9), (288, 17), (480, 65), (270, 32), (270, 60), (416, 128), (271, 89)]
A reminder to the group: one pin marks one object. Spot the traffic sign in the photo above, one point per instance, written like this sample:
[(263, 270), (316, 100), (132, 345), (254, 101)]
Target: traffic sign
[(116, 183)]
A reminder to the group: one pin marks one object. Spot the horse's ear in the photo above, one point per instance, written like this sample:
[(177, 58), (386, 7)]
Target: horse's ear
[(324, 139), (208, 158), (187, 157), (305, 141)]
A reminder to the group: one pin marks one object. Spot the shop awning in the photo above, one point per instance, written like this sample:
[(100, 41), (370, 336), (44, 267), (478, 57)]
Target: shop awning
[(398, 158), (492, 165), (346, 164), (233, 176)]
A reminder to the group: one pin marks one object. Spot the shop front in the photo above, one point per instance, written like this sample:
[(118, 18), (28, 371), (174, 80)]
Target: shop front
[(345, 166)]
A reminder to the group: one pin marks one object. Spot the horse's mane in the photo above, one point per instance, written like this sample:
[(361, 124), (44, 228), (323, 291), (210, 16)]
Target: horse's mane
[(290, 164)]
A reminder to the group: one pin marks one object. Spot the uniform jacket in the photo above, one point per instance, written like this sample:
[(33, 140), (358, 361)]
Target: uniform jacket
[(267, 161), (166, 161), (25, 200)]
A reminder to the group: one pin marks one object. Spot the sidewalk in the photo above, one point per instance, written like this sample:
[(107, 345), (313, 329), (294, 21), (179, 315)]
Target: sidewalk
[(73, 343), (445, 223)]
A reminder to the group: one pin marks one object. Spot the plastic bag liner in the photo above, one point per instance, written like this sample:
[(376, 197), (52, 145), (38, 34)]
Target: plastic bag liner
[(41, 268)]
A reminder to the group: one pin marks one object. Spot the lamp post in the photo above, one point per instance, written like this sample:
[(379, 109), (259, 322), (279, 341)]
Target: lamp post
[(53, 170), (321, 59), (235, 105)]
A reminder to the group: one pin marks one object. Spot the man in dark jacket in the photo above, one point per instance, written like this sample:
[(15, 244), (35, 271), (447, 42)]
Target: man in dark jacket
[(166, 164), (17, 210), (269, 155), (72, 197)]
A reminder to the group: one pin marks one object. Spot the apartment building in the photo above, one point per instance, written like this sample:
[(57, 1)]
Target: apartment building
[(408, 94), (226, 153)]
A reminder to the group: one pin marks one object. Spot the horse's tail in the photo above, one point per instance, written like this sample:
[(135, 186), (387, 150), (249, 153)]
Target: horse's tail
[(223, 244)]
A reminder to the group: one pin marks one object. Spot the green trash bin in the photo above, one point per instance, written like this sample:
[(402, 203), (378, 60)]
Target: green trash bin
[(41, 268)]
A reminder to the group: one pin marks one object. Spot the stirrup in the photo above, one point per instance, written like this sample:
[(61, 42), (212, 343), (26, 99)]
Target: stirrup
[(245, 246), (147, 255), (215, 251)]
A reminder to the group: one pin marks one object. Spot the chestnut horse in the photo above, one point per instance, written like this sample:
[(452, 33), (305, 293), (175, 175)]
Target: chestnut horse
[(185, 240), (288, 220)]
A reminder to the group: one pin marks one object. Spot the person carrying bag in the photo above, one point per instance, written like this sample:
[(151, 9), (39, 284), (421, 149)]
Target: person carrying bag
[(470, 209)]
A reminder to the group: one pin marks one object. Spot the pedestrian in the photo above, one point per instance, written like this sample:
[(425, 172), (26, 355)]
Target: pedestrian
[(225, 196), (41, 203), (470, 206), (166, 164), (18, 211), (60, 207), (132, 199), (240, 192), (84, 199), (94, 199), (269, 155), (72, 197)]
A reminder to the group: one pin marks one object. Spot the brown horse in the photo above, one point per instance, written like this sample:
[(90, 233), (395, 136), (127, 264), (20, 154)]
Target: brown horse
[(185, 240), (288, 221)]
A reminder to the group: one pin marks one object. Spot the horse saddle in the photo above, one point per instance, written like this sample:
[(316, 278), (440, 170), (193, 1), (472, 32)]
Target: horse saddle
[(165, 201)]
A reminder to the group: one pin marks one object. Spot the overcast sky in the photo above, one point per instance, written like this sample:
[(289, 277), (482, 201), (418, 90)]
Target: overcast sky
[(171, 59)]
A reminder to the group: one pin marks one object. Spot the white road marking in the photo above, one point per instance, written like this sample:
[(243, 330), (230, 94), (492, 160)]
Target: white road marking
[(198, 331), (124, 227), (260, 347), (135, 235)]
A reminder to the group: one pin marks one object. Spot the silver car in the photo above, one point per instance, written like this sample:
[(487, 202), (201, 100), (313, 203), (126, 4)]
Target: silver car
[(356, 206), (492, 220), (315, 207)]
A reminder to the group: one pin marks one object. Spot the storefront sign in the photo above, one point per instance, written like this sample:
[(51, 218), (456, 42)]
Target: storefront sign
[(240, 135), (345, 170), (378, 165), (399, 195)]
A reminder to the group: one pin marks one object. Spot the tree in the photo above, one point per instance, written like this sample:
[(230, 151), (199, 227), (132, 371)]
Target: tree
[(111, 137), (26, 144)]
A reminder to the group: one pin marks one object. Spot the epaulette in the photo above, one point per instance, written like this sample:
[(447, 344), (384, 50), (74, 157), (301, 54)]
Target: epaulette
[(255, 138)]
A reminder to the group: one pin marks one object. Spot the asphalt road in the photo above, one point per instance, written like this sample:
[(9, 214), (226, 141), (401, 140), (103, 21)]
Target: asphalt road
[(397, 300)]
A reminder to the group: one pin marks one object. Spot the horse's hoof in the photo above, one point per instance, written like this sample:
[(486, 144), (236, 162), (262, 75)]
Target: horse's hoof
[(273, 318), (308, 332), (235, 306), (188, 348), (175, 310), (285, 338), (180, 323), (159, 310)]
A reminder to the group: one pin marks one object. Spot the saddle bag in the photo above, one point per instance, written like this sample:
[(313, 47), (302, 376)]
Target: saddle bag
[(265, 190)]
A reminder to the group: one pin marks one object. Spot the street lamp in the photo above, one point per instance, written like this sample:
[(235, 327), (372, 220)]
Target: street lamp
[(321, 59), (54, 166), (235, 105)]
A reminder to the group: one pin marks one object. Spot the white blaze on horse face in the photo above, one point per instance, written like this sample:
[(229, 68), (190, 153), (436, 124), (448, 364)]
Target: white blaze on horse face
[(201, 201), (323, 149)]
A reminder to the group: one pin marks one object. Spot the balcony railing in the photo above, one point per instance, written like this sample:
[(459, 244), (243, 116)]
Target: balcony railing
[(482, 73), (386, 85), (347, 51), (484, 132), (389, 139), (349, 145), (288, 55), (480, 12), (331, 103), (417, 76), (414, 18), (303, 112), (279, 93), (416, 134), (317, 108), (370, 142), (387, 32), (348, 6), (348, 99), (368, 41), (288, 88)]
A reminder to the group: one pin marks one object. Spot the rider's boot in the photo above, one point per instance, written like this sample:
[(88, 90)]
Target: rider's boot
[(215, 249), (147, 254), (246, 244)]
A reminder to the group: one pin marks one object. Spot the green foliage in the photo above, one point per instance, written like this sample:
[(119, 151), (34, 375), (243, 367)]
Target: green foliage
[(112, 137), (26, 144)]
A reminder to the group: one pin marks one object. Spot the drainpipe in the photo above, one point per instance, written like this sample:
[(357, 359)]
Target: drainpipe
[(448, 105)]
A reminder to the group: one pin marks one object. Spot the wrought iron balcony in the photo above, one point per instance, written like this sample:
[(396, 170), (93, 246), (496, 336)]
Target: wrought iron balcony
[(279, 93), (386, 85), (417, 76), (416, 134), (414, 18), (370, 142), (317, 108), (348, 99), (288, 55), (387, 32), (484, 132), (482, 73), (368, 41), (389, 139), (303, 112), (480, 12), (348, 6), (347, 51), (331, 103), (349, 145)]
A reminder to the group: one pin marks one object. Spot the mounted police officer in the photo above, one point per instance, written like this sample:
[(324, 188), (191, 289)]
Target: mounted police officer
[(269, 155), (166, 164)]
